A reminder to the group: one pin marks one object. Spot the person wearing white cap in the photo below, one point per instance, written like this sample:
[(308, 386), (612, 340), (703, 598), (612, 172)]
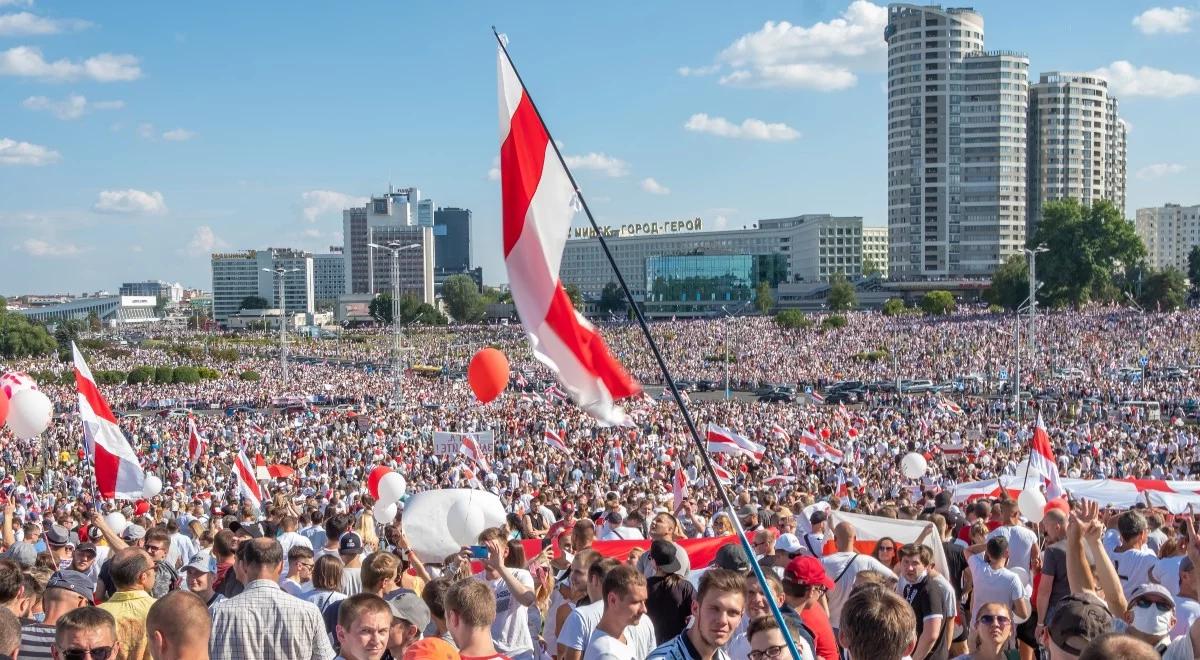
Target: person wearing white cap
[(200, 572)]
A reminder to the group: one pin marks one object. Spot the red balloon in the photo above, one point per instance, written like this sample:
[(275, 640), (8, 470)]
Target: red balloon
[(825, 433), (141, 508), (488, 374), (373, 479), (3, 408)]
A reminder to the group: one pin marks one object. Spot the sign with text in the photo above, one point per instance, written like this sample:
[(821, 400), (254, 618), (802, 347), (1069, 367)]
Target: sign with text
[(446, 443), (641, 229)]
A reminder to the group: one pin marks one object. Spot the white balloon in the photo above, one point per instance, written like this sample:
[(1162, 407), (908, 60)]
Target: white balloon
[(427, 520), (151, 486), (29, 413), (465, 522), (385, 512), (116, 522), (15, 381), (391, 487), (1032, 504), (913, 465)]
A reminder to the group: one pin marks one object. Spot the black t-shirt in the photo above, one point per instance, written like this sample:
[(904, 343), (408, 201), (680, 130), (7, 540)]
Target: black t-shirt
[(1054, 564), (927, 599), (669, 606), (956, 565)]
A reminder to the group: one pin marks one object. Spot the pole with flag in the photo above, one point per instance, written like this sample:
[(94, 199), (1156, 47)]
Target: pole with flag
[(117, 473), (539, 198)]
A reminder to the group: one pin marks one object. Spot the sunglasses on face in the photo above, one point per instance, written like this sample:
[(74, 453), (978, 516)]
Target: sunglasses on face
[(98, 653), (769, 652), (154, 548), (887, 548), (1162, 607), (994, 620)]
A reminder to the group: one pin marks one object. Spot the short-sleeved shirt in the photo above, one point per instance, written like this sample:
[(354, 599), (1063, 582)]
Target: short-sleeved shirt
[(579, 625), (928, 600), (1133, 567), (36, 639), (603, 646), (669, 606), (992, 585), (1020, 544), (511, 627), (1054, 564), (842, 567)]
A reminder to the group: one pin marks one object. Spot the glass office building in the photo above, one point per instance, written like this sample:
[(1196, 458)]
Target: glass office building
[(705, 282)]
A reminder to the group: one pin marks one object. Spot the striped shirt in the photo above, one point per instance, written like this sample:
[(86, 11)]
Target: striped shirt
[(681, 648), (36, 639)]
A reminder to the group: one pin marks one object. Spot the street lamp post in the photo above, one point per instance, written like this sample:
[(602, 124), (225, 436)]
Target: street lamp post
[(728, 393), (396, 249), (283, 364), (1033, 287)]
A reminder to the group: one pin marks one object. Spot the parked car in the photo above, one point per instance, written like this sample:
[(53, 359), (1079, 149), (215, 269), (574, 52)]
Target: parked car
[(777, 396), (707, 386), (843, 396)]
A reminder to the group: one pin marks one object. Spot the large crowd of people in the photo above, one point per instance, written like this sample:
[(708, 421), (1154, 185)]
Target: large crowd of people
[(198, 572)]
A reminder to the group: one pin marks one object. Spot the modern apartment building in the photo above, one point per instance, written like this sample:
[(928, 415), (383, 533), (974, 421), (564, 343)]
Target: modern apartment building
[(239, 275), (1076, 143), (956, 145), (1169, 232), (875, 248)]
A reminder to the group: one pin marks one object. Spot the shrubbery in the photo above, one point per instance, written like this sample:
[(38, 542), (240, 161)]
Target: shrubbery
[(793, 319), (833, 321), (250, 375)]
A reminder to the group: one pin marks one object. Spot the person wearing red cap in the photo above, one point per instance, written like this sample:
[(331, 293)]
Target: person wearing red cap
[(804, 583)]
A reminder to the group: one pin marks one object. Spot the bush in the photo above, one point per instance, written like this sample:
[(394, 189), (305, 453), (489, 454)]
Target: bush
[(105, 377), (793, 319), (894, 307), (871, 356), (163, 375), (250, 375), (936, 303), (139, 375), (995, 309), (834, 321), (186, 375), (226, 354), (207, 373), (717, 357)]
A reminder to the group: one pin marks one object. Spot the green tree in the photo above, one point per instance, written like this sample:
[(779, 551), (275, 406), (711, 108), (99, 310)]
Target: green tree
[(93, 322), (187, 375), (1088, 246), (380, 308), (21, 338), (793, 319), (1010, 283), (763, 300), (160, 306), (254, 302), (833, 321), (870, 267), (894, 307), (463, 300), (140, 375), (612, 299), (1164, 291), (841, 293), (3, 304), (163, 375), (936, 303), (575, 295), (1194, 267)]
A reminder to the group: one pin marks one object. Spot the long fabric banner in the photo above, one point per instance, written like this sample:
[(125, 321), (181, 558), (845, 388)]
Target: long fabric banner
[(701, 552)]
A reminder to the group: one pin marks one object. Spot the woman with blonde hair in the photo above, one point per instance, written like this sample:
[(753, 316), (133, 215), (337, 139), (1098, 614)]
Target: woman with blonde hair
[(366, 532), (991, 636)]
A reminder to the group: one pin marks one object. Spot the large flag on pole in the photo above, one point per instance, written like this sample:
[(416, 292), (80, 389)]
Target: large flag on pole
[(118, 474), (539, 201), (679, 489), (1041, 458), (724, 441), (197, 445), (247, 481), (474, 452)]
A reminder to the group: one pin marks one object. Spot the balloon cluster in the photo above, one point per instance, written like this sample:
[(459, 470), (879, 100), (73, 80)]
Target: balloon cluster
[(387, 487), (23, 408)]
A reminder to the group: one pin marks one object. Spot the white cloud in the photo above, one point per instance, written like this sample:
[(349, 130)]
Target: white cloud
[(28, 62), (16, 3), (130, 201), (1157, 170), (750, 129), (698, 70), (204, 242), (72, 107), (654, 188), (26, 24), (38, 248), (24, 153), (598, 162), (146, 130), (1125, 79), (178, 135), (820, 57), (320, 202), (1163, 20), (494, 172)]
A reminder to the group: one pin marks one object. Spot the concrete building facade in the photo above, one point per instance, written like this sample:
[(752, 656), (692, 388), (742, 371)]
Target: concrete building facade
[(329, 276), (1169, 232), (239, 275), (875, 248)]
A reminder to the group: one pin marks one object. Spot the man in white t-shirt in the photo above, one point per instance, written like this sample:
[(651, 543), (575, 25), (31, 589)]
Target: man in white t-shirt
[(842, 566), (992, 582), (580, 624), (1022, 541), (514, 594), (1132, 559), (617, 633)]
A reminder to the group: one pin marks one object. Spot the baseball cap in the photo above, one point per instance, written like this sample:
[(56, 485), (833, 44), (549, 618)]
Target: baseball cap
[(663, 554), (1148, 591), (57, 535), (411, 608), (807, 570), (23, 553), (789, 543), (350, 544), (732, 557), (74, 581), (1079, 619), (431, 648), (747, 511), (201, 561), (133, 533), (87, 546), (253, 530)]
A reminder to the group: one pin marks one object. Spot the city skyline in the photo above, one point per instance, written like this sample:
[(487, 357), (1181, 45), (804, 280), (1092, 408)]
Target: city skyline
[(131, 154)]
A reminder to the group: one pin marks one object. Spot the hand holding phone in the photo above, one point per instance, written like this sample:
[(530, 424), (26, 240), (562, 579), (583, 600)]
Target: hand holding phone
[(478, 551)]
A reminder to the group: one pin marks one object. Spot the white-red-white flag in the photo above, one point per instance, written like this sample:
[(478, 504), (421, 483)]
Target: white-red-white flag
[(118, 473), (679, 488), (260, 468), (722, 474), (777, 431), (817, 449), (538, 204), (197, 445), (474, 452), (724, 441), (247, 483), (555, 441), (1041, 458)]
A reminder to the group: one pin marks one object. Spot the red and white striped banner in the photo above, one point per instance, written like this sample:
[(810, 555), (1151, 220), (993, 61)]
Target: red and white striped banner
[(118, 474), (724, 441)]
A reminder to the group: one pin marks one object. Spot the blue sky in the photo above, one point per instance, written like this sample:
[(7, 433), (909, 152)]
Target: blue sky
[(136, 137)]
